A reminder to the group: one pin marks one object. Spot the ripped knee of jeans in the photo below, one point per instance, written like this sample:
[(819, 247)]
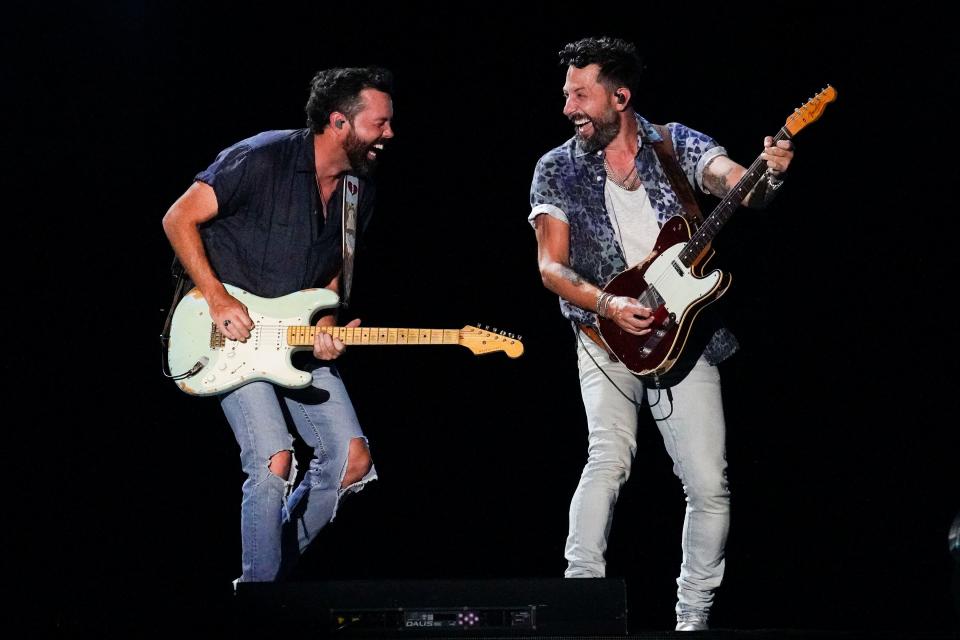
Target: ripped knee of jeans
[(356, 472), (283, 464), (358, 464)]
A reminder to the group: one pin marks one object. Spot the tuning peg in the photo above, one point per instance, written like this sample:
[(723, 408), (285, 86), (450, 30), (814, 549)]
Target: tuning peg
[(511, 335), (519, 337)]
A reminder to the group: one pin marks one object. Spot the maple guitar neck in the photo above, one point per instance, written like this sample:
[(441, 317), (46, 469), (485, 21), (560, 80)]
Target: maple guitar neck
[(304, 335)]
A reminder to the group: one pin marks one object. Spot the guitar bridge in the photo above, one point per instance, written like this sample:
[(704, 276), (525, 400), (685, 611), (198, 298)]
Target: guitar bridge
[(663, 322), (217, 339)]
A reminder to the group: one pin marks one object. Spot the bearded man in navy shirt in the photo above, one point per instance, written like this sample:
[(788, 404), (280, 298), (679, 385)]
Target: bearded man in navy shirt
[(266, 217)]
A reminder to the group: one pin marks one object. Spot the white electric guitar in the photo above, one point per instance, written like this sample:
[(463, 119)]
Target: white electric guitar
[(203, 362)]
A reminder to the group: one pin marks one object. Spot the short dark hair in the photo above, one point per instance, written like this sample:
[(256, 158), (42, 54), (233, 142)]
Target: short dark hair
[(339, 90), (620, 64)]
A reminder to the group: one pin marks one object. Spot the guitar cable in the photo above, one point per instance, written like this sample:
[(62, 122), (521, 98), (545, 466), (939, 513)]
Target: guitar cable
[(619, 390), (164, 368)]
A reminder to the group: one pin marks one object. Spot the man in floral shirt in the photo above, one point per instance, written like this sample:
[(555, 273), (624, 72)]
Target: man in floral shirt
[(598, 202)]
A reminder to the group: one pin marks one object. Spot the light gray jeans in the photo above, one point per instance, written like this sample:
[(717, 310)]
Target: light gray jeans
[(693, 431)]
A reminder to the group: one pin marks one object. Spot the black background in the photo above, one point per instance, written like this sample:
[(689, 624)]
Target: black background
[(842, 441)]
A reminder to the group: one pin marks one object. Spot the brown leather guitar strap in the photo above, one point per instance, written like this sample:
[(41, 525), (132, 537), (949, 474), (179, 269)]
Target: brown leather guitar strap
[(678, 179), (593, 334)]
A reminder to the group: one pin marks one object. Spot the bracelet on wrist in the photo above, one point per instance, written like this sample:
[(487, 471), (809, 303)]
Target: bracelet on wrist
[(774, 182), (603, 301)]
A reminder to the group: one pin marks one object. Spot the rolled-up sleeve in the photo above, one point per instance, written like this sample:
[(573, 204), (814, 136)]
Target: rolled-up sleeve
[(695, 150), (545, 196), (550, 210), (705, 159)]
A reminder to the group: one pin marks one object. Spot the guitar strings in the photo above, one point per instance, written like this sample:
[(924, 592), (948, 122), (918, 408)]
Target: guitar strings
[(284, 327), (267, 332), (747, 175)]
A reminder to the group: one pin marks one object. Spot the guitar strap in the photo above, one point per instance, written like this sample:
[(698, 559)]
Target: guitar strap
[(678, 179), (688, 202), (351, 200), (178, 273)]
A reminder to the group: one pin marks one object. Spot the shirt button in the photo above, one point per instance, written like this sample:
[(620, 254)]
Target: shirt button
[(599, 178)]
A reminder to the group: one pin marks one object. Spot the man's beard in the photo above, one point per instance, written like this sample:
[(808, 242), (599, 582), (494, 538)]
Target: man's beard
[(356, 150), (605, 129)]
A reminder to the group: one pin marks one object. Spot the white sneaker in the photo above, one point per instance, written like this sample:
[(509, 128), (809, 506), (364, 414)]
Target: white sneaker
[(695, 624)]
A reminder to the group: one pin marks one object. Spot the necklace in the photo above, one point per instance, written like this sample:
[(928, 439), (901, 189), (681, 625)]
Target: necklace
[(629, 182), (323, 204)]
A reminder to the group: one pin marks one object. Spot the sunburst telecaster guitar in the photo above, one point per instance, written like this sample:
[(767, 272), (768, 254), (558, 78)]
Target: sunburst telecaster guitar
[(671, 282), (203, 362)]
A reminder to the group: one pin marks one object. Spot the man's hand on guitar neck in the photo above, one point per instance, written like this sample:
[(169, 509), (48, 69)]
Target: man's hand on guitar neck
[(630, 315), (325, 346), (229, 316), (778, 156)]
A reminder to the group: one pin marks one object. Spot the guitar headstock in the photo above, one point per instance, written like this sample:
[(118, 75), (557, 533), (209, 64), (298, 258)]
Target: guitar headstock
[(481, 341), (811, 111)]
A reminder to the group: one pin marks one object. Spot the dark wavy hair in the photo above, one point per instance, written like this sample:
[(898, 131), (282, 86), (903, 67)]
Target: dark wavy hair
[(339, 90), (620, 64)]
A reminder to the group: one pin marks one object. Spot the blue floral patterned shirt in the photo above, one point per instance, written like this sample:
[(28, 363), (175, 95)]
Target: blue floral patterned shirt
[(568, 184)]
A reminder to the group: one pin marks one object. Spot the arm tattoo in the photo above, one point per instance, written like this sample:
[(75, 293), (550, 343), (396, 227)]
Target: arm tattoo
[(716, 184), (570, 275)]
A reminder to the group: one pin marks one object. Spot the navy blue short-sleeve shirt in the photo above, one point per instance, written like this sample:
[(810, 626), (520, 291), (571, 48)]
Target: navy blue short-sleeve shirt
[(269, 236)]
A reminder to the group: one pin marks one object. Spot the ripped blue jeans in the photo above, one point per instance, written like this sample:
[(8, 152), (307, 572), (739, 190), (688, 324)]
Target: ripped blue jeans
[(277, 525)]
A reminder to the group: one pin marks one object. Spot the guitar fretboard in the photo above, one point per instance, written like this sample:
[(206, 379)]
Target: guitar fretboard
[(712, 225), (304, 336)]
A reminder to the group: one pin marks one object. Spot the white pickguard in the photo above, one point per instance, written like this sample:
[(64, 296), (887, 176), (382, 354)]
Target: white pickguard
[(264, 356), (676, 285)]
